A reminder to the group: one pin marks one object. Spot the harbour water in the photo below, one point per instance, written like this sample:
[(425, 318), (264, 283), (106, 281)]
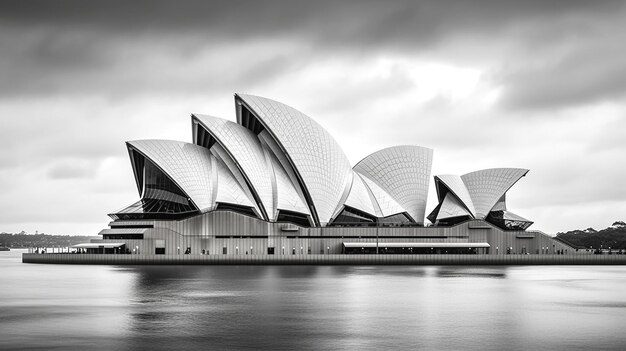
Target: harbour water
[(75, 307)]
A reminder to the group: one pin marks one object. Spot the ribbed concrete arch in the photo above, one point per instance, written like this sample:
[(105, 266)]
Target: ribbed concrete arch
[(487, 186), (322, 169), (404, 173), (187, 165), (246, 151)]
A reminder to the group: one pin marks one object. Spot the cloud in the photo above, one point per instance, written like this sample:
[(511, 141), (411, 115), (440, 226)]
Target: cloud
[(74, 46), (575, 75), (71, 169), (530, 84)]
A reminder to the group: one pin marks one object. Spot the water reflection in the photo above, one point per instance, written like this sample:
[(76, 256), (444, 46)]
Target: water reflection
[(486, 272), (311, 307)]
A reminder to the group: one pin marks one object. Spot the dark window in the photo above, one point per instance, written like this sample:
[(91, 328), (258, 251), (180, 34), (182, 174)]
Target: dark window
[(350, 216), (122, 236), (293, 217), (270, 250), (161, 198), (235, 208), (159, 251)]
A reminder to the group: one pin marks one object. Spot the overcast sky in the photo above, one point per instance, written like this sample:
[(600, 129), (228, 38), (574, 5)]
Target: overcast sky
[(529, 84)]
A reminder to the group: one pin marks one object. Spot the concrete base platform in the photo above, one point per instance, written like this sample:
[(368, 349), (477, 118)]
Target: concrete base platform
[(474, 260)]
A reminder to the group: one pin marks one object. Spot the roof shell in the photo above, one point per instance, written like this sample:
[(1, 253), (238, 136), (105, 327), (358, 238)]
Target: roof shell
[(510, 216), (246, 151), (451, 207), (487, 186), (361, 197), (385, 204), (455, 184), (188, 165), (321, 166), (404, 173), (228, 189), (287, 197)]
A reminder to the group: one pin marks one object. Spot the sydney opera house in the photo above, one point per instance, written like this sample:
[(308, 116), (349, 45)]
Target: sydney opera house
[(277, 183)]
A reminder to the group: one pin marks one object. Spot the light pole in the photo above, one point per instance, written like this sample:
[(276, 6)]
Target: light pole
[(377, 239)]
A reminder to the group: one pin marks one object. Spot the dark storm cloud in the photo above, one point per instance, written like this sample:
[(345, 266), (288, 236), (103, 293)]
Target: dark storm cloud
[(77, 78), (364, 21), (571, 82), (582, 65), (83, 46)]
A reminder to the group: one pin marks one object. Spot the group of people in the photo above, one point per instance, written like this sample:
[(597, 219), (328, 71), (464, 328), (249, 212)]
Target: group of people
[(77, 251)]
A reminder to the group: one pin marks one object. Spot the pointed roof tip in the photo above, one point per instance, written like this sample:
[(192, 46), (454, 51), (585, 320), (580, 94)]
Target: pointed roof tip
[(386, 149), (242, 96), (157, 140), (201, 116), (439, 176), (525, 170)]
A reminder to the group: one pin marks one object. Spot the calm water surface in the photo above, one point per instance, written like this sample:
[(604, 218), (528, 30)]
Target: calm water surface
[(166, 307)]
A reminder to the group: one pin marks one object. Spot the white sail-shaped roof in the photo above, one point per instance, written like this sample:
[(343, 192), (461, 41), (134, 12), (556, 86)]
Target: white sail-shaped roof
[(500, 205), (455, 184), (228, 189), (286, 195), (385, 204), (360, 196), (510, 216), (187, 165), (245, 149), (451, 207), (488, 185), (404, 173), (323, 170)]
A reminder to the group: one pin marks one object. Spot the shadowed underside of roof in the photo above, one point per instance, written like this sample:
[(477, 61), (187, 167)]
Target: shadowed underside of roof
[(187, 165)]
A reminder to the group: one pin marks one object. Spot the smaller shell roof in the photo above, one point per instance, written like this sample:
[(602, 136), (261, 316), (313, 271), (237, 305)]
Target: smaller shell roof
[(487, 186), (510, 216), (360, 197), (187, 165), (455, 184), (451, 207), (385, 204), (404, 173)]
